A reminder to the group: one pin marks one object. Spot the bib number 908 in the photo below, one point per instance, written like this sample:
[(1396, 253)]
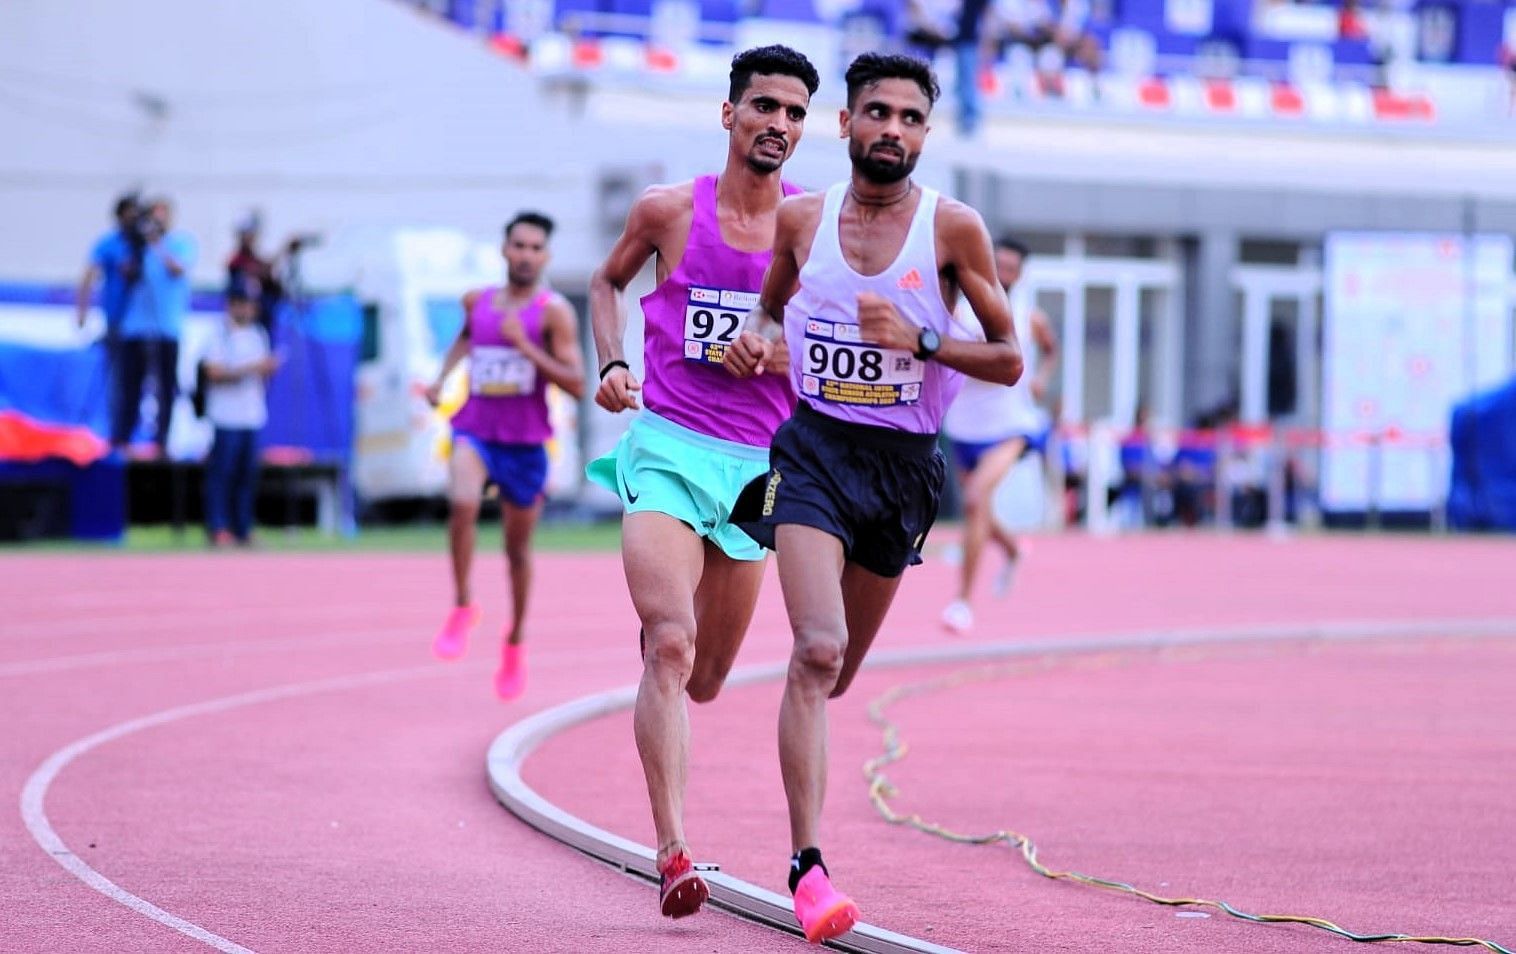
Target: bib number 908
[(845, 364)]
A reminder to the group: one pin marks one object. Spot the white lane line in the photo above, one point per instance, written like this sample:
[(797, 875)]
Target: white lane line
[(49, 664), (34, 793), (511, 748), (187, 618), (193, 619), (32, 667)]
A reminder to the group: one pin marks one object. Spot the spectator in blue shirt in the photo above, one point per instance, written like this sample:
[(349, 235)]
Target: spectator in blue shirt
[(114, 266), (153, 320)]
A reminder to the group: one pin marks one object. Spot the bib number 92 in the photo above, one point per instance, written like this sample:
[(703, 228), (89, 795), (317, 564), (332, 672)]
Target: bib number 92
[(705, 324)]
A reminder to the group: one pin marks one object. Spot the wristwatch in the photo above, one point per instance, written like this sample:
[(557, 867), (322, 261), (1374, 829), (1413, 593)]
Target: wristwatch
[(927, 344)]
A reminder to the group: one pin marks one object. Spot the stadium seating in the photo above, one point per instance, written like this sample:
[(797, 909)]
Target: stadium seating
[(1303, 49)]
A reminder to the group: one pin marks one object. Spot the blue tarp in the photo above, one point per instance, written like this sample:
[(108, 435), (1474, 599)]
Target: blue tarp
[(310, 399), (1482, 492), (56, 387)]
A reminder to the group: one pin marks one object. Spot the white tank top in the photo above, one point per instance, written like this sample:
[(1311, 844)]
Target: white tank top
[(988, 413), (831, 368)]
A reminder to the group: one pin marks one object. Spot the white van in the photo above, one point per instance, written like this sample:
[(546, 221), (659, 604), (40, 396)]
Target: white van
[(411, 283)]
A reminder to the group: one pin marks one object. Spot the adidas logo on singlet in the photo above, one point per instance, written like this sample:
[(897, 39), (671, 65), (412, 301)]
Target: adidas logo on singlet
[(910, 281)]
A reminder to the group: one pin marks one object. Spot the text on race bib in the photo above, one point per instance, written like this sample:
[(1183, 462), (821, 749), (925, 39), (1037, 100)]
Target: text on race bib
[(840, 369), (496, 371), (713, 318)]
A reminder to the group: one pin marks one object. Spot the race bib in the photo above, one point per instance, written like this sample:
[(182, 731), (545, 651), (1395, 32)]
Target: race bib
[(712, 319), (840, 369), (501, 372)]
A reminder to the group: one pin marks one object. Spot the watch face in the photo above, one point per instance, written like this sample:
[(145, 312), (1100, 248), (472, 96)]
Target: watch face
[(930, 341)]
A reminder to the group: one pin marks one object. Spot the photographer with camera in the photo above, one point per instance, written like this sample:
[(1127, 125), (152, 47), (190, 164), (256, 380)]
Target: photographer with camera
[(156, 302), (276, 276)]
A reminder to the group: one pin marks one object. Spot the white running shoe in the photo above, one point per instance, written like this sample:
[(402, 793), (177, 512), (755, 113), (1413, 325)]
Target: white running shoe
[(958, 617), (1006, 578)]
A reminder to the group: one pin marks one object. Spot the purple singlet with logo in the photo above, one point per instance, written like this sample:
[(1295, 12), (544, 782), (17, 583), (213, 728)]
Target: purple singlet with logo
[(691, 320), (507, 401)]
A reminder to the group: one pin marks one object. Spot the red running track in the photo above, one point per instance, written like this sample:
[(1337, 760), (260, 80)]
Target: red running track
[(1361, 782)]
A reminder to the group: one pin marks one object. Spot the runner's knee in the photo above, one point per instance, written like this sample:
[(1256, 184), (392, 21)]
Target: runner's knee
[(670, 649), (464, 509), (819, 655), (519, 555), (975, 501)]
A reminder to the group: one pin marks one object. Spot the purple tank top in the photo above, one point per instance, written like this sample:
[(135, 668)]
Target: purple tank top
[(690, 321), (507, 401)]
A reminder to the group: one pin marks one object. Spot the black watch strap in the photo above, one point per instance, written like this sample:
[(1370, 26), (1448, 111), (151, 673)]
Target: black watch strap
[(928, 343)]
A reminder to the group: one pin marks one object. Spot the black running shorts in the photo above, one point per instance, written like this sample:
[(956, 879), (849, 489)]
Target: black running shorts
[(874, 488)]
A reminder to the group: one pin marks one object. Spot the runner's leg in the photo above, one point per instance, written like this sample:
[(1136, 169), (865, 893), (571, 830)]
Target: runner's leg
[(663, 559), (518, 525), (466, 478), (724, 604), (979, 521)]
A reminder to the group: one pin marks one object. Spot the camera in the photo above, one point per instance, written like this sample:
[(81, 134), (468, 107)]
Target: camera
[(301, 241), (143, 229)]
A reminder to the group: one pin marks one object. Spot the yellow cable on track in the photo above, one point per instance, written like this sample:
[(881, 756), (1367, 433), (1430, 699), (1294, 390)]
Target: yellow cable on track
[(881, 791)]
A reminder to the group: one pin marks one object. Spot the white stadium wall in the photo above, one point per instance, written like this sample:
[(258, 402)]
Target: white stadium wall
[(356, 115)]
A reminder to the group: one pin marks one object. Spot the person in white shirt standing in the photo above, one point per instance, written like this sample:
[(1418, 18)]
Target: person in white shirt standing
[(991, 427), (236, 365)]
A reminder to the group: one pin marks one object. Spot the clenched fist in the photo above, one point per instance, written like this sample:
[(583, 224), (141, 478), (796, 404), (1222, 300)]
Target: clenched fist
[(880, 323)]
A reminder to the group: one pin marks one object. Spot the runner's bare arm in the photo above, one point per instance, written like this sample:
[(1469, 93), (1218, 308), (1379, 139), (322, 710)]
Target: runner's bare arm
[(455, 352), (1047, 353), (560, 362), (646, 227), (961, 235), (754, 350)]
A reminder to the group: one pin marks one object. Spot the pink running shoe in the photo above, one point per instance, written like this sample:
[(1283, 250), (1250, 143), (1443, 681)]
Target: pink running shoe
[(510, 680), (452, 641), (682, 891), (823, 911)]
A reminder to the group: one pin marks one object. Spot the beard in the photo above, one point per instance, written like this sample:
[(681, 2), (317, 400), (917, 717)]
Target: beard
[(522, 276), (764, 164), (879, 170)]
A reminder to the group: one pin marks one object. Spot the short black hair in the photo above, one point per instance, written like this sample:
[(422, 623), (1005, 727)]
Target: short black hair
[(1008, 241), (242, 288), (870, 68), (773, 60), (530, 218), (127, 203)]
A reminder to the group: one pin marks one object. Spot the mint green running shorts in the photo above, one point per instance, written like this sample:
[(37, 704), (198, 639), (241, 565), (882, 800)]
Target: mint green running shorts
[(663, 467)]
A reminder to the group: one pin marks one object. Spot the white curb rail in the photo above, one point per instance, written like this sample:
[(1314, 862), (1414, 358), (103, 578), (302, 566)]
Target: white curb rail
[(511, 748)]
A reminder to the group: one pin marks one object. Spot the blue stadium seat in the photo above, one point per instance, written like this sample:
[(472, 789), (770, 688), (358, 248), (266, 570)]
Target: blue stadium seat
[(889, 14), (720, 11), (1143, 14), (1352, 53), (566, 10), (633, 8), (1232, 19), (803, 11), (1480, 25), (1265, 48)]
